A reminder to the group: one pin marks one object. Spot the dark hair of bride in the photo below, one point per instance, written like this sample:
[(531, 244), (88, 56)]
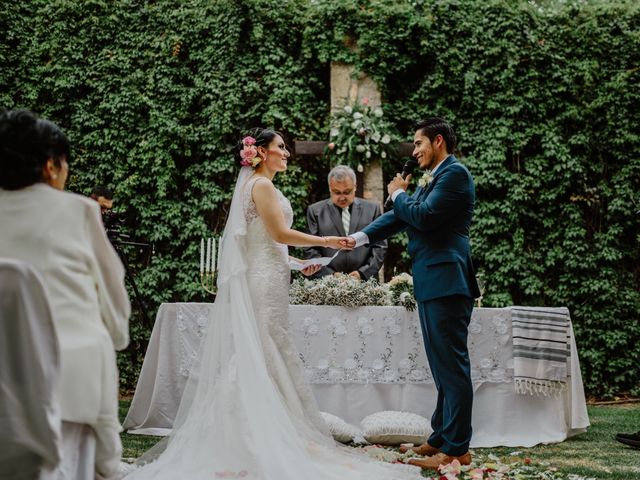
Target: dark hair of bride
[(26, 143), (262, 136)]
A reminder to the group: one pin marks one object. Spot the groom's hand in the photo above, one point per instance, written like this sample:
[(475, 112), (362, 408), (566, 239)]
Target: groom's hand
[(348, 243), (398, 183)]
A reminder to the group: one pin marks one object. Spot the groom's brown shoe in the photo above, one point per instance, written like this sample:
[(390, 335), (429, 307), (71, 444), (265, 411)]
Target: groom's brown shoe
[(425, 450), (433, 462)]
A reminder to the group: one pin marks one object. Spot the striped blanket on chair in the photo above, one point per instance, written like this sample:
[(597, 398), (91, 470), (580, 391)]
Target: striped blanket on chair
[(541, 349)]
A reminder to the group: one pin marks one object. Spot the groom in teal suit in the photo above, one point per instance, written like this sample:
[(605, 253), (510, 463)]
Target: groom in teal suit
[(437, 218)]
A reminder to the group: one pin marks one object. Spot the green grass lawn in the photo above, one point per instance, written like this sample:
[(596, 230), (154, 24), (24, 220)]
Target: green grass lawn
[(593, 454)]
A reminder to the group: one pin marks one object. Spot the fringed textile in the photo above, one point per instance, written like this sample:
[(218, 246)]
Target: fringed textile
[(541, 350)]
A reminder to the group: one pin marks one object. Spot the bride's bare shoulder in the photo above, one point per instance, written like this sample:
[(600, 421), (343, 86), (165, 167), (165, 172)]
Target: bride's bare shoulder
[(263, 189), (261, 184), (260, 180)]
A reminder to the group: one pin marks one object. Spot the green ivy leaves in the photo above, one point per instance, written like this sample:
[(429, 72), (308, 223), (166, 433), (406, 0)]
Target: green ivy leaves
[(544, 97)]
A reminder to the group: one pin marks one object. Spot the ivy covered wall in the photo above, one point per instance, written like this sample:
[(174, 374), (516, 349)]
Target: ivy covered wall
[(544, 96)]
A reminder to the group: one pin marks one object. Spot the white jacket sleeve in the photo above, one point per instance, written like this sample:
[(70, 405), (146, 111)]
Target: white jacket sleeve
[(115, 308)]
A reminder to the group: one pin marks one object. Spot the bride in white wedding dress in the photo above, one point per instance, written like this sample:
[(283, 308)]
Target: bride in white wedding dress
[(247, 411)]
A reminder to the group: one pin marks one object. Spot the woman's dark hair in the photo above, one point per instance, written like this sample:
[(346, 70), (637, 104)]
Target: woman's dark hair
[(263, 137), (434, 126), (26, 143)]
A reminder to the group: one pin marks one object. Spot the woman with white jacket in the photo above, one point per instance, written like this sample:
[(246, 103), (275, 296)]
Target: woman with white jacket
[(61, 235)]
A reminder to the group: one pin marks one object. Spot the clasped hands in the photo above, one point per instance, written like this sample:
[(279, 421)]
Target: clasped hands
[(337, 243), (341, 243)]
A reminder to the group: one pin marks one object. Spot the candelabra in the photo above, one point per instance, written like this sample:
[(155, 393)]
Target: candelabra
[(480, 280), (208, 265)]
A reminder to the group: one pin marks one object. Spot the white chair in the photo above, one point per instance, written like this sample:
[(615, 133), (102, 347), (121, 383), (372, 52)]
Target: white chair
[(30, 438)]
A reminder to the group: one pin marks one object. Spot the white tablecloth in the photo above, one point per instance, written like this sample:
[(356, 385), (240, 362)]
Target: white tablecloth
[(369, 359)]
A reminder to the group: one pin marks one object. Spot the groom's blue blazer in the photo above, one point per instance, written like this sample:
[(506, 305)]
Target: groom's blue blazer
[(437, 219)]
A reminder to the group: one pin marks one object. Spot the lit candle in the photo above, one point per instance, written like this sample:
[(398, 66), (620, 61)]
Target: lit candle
[(213, 255), (208, 262), (201, 256)]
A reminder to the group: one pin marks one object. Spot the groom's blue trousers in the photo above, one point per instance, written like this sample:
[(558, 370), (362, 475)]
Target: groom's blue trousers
[(445, 323)]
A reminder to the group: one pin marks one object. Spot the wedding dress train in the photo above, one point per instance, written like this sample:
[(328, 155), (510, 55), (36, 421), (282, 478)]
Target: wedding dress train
[(247, 411)]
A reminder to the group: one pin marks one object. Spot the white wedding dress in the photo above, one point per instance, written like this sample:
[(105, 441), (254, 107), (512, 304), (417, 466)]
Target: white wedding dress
[(247, 411)]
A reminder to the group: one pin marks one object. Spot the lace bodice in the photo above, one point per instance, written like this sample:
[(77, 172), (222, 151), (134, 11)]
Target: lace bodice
[(266, 257), (250, 211), (269, 278)]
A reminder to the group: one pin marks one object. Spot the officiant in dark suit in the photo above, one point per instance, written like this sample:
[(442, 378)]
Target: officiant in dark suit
[(340, 215)]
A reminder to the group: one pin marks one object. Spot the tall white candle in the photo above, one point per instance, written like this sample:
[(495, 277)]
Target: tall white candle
[(208, 255), (213, 255), (201, 255)]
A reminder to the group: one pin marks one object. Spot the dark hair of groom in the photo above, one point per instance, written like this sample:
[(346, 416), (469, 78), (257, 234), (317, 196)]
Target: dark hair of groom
[(434, 126)]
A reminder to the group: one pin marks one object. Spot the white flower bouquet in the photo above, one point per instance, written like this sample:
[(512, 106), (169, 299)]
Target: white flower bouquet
[(345, 291), (401, 291)]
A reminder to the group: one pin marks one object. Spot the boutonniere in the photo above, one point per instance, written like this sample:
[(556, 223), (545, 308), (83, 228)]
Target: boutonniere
[(426, 179)]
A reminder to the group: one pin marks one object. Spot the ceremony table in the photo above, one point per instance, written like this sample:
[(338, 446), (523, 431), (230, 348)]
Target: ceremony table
[(369, 359)]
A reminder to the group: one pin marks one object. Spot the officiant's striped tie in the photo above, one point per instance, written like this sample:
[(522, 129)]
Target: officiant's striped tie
[(346, 219)]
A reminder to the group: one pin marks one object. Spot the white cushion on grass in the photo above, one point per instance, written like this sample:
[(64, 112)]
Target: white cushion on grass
[(394, 428), (340, 430)]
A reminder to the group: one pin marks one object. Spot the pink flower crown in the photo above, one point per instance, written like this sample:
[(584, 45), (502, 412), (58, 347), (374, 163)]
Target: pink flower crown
[(249, 153)]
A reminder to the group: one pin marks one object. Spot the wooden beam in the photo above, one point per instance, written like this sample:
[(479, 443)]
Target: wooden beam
[(316, 147), (313, 147), (405, 149)]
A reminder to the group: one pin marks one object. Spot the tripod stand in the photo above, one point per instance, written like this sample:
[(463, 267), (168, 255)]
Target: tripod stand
[(117, 244)]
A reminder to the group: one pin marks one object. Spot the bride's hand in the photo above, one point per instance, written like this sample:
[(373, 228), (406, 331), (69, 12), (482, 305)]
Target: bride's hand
[(337, 243), (310, 270)]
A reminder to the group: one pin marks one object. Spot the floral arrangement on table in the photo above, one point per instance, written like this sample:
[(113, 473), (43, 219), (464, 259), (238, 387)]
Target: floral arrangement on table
[(346, 291), (360, 134), (342, 290), (401, 291)]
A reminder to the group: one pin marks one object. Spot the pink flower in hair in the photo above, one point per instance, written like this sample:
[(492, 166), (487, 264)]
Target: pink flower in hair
[(249, 153)]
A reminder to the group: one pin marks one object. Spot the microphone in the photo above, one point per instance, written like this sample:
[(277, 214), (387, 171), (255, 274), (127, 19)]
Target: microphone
[(408, 168)]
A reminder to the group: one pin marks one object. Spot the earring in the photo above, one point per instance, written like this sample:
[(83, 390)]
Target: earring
[(54, 176)]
